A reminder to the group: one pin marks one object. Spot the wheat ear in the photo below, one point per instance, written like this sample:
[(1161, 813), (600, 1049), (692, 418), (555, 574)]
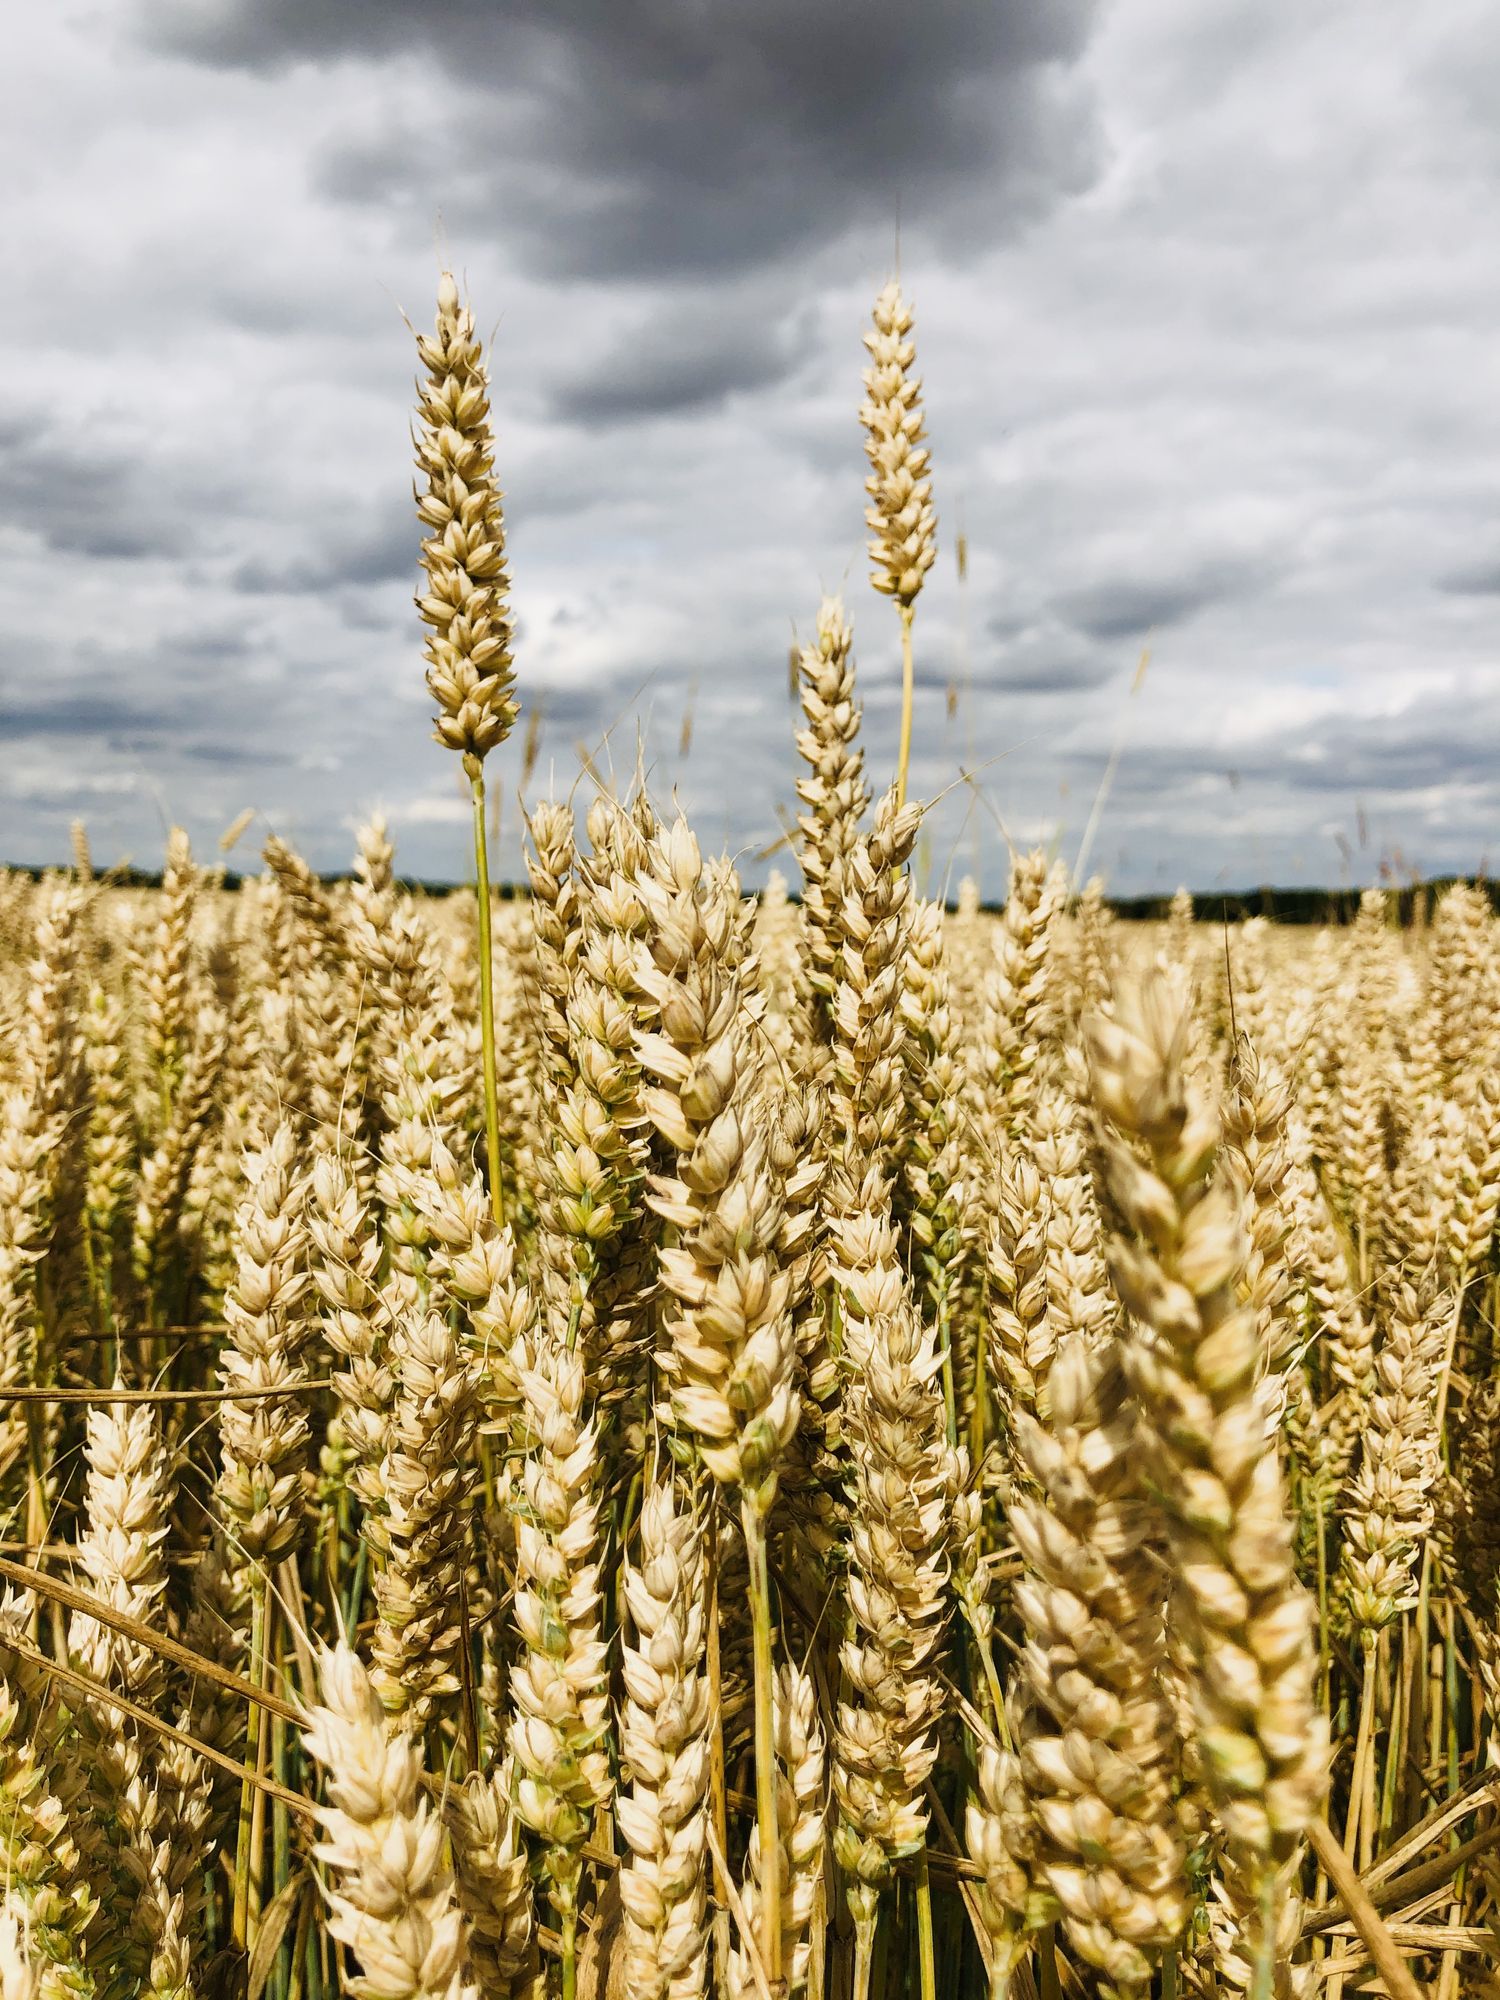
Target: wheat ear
[(1192, 1358), (665, 1722), (128, 1506), (167, 973), (835, 796), (559, 1686), (802, 1816), (419, 1526), (466, 605), (728, 1355), (494, 1888), (109, 1148), (1388, 1504), (42, 1880), (20, 1976), (885, 1738), (390, 1890), (1096, 1743), (902, 523)]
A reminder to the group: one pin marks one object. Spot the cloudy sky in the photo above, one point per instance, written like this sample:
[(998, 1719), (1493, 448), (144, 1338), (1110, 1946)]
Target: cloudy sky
[(1207, 312)]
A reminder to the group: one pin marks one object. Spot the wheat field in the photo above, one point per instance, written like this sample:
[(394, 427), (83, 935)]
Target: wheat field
[(647, 1440)]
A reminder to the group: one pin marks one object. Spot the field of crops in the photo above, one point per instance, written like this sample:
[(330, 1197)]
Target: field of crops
[(659, 1442)]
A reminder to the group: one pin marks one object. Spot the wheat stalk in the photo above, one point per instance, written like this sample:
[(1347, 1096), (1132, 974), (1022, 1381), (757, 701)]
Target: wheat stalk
[(902, 523), (466, 604)]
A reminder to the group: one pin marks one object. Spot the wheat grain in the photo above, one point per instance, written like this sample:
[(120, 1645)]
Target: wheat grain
[(390, 1893)]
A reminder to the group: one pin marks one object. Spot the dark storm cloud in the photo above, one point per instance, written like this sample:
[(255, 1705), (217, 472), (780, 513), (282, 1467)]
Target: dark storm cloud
[(629, 138)]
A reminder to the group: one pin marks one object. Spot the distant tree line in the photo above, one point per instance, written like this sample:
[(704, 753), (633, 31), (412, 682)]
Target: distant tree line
[(1414, 901)]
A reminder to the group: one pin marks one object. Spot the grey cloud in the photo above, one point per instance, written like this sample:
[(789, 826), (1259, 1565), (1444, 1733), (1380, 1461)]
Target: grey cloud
[(233, 756), (681, 360), (655, 137), (73, 483), (1039, 656), (96, 503), (1128, 606), (1365, 757), (1480, 579), (75, 713), (379, 546)]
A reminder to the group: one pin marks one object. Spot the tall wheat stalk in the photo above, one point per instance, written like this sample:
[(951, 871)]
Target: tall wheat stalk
[(902, 524), (466, 603)]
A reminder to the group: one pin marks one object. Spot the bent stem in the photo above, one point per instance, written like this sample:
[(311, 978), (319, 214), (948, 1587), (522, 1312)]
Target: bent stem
[(486, 993), (903, 757), (767, 1829)]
